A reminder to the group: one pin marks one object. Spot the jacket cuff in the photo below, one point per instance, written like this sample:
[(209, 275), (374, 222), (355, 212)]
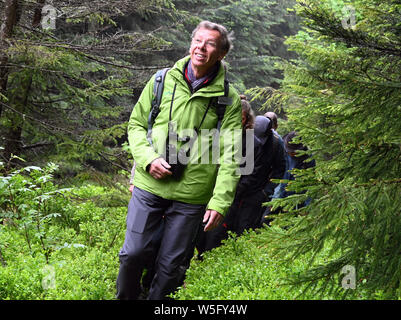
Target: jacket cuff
[(213, 205), (148, 161)]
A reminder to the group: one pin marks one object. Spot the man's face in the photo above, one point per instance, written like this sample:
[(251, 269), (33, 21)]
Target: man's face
[(205, 49)]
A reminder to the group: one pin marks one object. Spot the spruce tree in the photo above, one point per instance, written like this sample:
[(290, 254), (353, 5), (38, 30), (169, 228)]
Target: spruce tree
[(343, 96), (67, 72)]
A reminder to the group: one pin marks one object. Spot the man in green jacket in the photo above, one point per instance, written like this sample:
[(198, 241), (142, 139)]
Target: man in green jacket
[(206, 187)]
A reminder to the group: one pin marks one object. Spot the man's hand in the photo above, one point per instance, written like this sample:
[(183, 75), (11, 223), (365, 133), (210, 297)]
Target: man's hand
[(213, 219), (159, 168)]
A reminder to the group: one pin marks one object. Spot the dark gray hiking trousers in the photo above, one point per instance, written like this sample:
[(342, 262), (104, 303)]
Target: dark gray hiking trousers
[(146, 212)]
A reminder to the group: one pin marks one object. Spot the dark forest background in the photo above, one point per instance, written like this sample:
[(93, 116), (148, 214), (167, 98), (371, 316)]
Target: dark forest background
[(68, 91)]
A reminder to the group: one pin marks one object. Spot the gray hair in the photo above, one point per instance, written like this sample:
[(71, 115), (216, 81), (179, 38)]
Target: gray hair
[(226, 37)]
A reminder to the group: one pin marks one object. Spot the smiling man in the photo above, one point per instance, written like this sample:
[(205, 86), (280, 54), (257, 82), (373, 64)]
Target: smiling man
[(204, 191)]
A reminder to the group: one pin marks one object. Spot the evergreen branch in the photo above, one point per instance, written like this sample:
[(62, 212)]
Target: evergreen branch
[(22, 66), (123, 66), (37, 145), (47, 125), (377, 182), (48, 102), (129, 67), (79, 49), (111, 162), (325, 25), (387, 84), (103, 45)]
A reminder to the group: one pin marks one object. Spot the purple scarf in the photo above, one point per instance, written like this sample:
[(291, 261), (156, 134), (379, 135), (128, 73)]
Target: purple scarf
[(197, 83)]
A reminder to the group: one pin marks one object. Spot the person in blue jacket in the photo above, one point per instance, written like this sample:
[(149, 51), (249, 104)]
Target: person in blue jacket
[(295, 161)]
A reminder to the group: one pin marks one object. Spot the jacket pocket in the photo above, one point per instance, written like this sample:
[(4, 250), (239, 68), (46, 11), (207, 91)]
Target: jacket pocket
[(136, 218)]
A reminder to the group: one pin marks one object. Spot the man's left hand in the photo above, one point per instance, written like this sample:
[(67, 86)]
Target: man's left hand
[(213, 219)]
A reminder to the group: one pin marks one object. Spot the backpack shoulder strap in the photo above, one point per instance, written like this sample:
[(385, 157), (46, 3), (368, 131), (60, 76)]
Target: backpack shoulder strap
[(158, 87), (221, 103), (275, 143)]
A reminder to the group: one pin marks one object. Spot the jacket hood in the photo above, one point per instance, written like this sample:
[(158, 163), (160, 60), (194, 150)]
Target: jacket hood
[(262, 128)]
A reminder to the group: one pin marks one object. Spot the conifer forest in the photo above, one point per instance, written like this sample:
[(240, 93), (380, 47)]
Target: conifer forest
[(70, 75)]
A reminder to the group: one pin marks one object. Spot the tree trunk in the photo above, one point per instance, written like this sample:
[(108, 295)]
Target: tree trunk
[(10, 19), (13, 141), (37, 15)]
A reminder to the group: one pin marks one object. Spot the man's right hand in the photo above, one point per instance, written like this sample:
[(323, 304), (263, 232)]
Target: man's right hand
[(158, 168)]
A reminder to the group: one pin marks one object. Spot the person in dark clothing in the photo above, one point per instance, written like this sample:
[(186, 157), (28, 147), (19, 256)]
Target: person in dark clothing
[(212, 239), (254, 189), (273, 116), (294, 161)]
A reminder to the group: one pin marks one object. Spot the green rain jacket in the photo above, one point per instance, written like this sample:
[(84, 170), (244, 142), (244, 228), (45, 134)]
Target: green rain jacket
[(202, 183)]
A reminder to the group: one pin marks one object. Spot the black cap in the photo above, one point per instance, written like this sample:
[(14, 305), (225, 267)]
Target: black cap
[(292, 147)]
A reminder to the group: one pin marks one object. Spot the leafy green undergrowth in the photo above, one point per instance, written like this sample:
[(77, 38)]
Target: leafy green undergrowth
[(63, 243), (72, 274), (244, 268), (58, 243)]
